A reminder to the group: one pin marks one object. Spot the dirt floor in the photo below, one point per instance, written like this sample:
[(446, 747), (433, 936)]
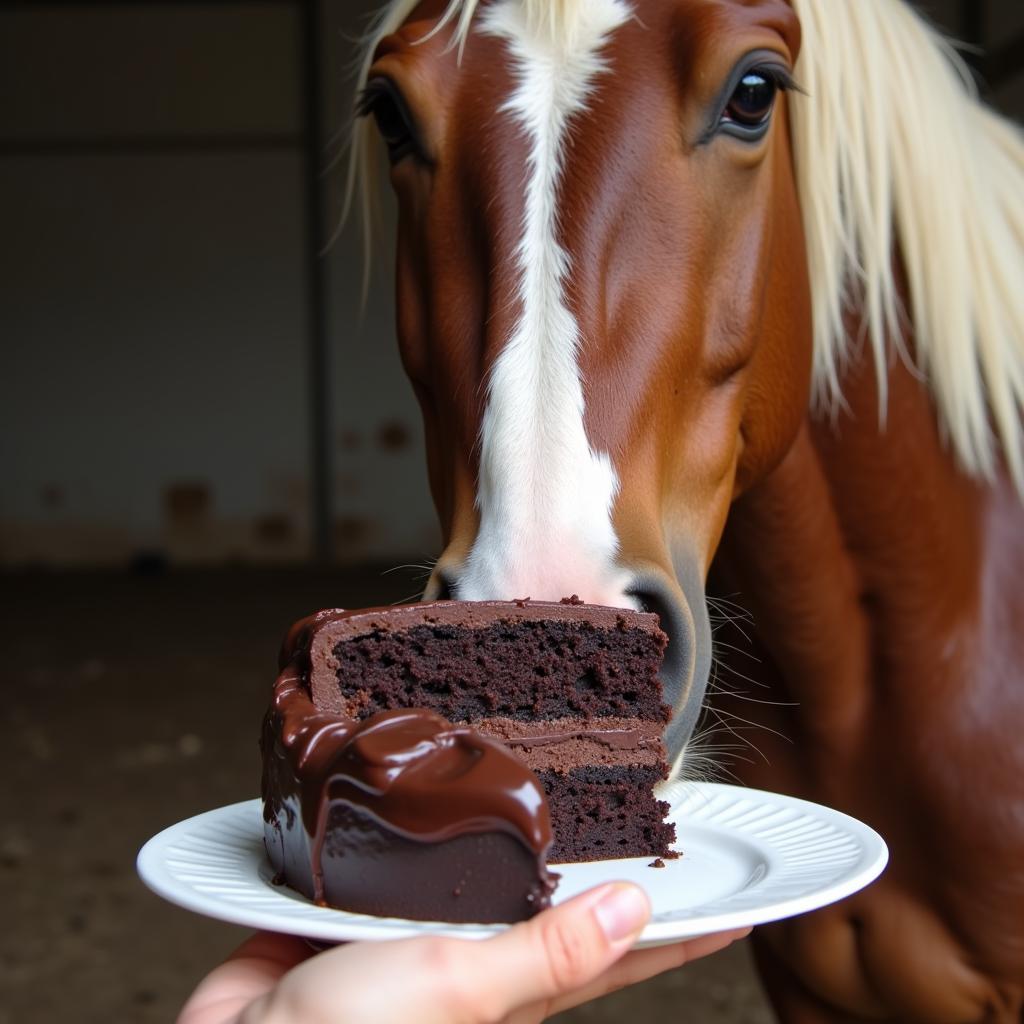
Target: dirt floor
[(131, 702)]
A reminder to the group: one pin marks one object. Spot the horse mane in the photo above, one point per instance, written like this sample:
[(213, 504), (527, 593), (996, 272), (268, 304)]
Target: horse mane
[(895, 158), (894, 154)]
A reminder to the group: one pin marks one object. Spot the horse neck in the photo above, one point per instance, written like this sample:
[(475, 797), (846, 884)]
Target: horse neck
[(867, 558)]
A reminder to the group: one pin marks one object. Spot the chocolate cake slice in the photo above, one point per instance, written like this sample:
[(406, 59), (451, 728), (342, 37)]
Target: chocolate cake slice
[(406, 748), (572, 689)]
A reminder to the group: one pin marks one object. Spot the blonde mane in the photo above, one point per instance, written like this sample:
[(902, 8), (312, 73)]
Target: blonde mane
[(894, 155)]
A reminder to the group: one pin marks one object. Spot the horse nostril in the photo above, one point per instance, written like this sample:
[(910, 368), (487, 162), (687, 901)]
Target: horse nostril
[(675, 623), (650, 600), (441, 587)]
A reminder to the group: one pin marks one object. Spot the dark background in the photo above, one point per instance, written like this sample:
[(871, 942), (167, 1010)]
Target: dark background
[(202, 439)]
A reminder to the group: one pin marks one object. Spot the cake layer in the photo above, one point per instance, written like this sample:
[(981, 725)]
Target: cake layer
[(392, 749), (600, 813), (523, 661), (562, 744)]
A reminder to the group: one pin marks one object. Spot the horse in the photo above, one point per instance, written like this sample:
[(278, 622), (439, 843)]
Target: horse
[(716, 308)]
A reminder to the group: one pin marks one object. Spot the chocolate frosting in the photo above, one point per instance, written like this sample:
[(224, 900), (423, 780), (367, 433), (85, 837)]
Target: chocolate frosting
[(475, 614), (412, 771), (409, 770), (614, 739)]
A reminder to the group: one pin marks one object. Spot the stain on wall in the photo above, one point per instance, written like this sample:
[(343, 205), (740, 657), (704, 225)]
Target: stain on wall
[(52, 496), (352, 534), (187, 504), (394, 436), (274, 530), (350, 440)]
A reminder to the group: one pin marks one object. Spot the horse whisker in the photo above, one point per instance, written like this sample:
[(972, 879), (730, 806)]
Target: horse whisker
[(753, 725), (738, 650), (427, 566), (742, 739), (758, 700), (719, 663)]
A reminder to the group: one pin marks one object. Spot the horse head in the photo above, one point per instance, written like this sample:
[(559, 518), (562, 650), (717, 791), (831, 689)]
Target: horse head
[(628, 257), (603, 300)]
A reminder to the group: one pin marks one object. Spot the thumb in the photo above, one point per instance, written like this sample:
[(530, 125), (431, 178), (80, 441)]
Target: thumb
[(559, 950)]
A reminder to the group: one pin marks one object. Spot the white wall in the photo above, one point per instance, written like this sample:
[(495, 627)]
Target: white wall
[(154, 383), (154, 390), (381, 497)]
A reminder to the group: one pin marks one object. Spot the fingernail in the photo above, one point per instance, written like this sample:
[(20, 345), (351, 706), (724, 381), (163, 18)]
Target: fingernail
[(622, 912)]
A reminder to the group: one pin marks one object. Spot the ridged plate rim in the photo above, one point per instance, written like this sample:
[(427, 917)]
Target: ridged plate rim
[(810, 856)]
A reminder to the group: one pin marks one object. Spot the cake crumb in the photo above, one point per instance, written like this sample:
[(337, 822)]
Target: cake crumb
[(656, 863), (574, 599)]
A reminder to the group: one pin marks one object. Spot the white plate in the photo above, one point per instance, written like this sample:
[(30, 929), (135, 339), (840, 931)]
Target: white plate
[(749, 857)]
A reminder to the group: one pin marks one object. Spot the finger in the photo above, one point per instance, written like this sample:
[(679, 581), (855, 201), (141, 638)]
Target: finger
[(284, 951), (250, 972), (642, 964), (555, 953)]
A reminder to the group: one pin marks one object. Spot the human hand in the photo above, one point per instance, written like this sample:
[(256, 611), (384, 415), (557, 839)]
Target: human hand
[(565, 956)]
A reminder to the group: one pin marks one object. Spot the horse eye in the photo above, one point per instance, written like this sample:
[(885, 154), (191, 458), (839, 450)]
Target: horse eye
[(751, 103), (380, 102)]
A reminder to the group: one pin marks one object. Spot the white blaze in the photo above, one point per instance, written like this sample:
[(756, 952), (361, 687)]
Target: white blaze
[(545, 497)]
